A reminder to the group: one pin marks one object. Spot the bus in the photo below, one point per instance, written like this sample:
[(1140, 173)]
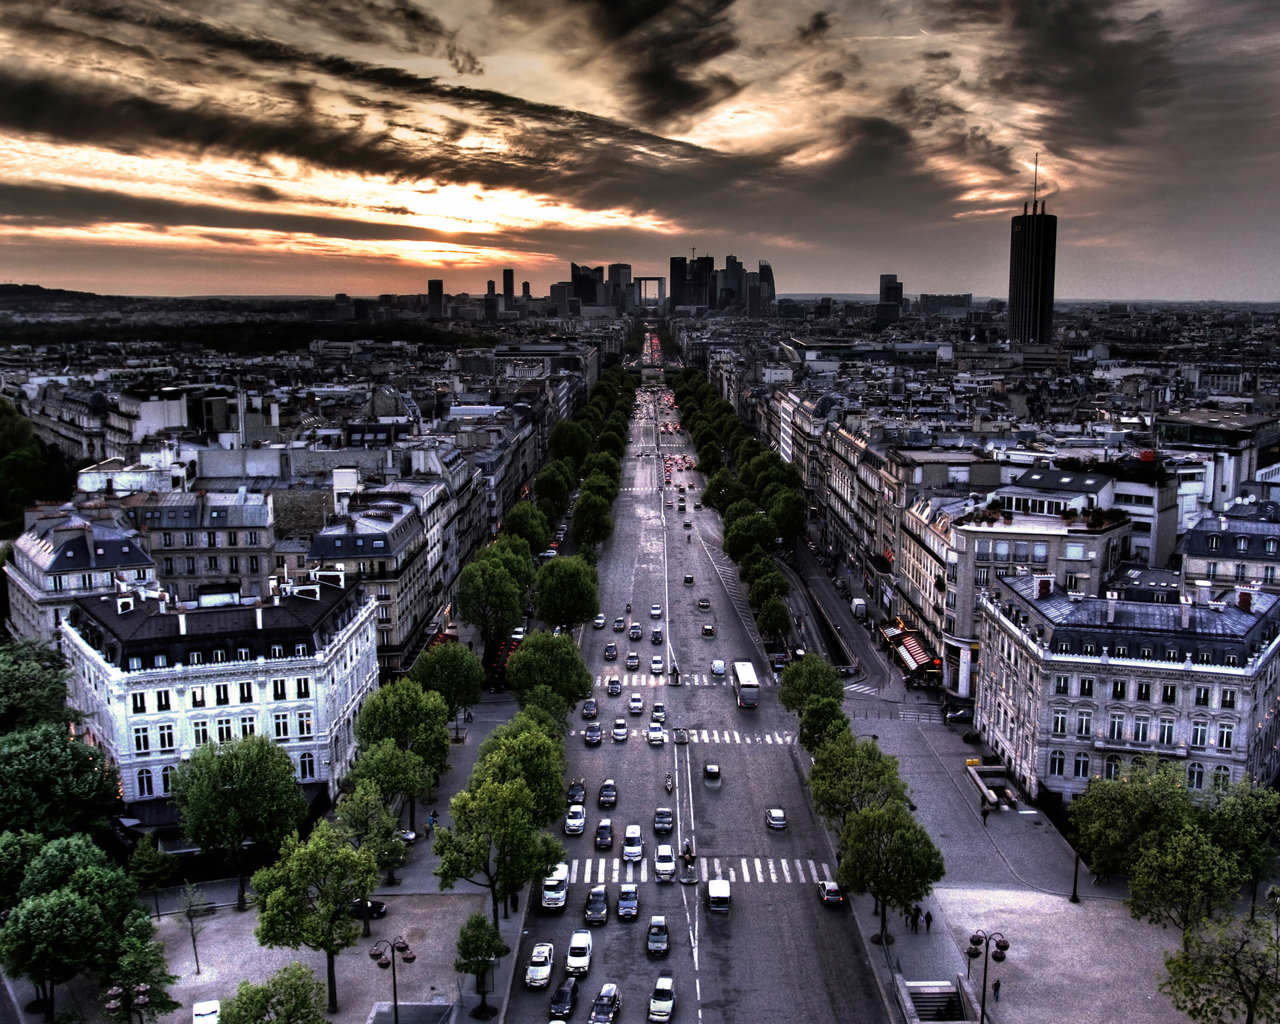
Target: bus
[(745, 684)]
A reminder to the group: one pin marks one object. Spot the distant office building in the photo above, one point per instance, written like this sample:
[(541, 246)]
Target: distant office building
[(509, 287), (768, 291), (945, 305), (890, 290), (559, 295), (1032, 248), (435, 299), (524, 291), (492, 290), (679, 279), (588, 284)]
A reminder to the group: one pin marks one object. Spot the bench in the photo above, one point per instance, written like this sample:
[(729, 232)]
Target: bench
[(202, 909)]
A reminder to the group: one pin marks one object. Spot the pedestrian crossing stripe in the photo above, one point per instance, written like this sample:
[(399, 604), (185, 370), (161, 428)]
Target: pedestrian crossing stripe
[(777, 739), (862, 688), (591, 871)]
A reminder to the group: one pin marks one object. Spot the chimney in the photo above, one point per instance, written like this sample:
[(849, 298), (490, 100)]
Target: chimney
[(164, 604), (1112, 598), (257, 614), (1186, 603), (182, 623), (1244, 596), (1046, 587), (1202, 591)]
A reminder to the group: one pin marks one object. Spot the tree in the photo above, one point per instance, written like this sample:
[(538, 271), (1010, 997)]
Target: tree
[(192, 903), (1181, 879), (305, 898), (569, 440), (722, 491), (495, 842), (564, 592), (545, 659), (755, 563), (290, 996), (453, 672), (513, 554), (414, 719), (1243, 822), (237, 792), (808, 677), (602, 486), (17, 850), (33, 686), (709, 457), (490, 600), (525, 521), (742, 507), (772, 586), (368, 825), (547, 708), (141, 962), (54, 784), (774, 618), (821, 720), (394, 771), (748, 532), (550, 486), (592, 523), (57, 861), (151, 867), (1227, 972), (850, 775), (602, 462), (790, 514), (521, 749), (479, 945), (886, 852)]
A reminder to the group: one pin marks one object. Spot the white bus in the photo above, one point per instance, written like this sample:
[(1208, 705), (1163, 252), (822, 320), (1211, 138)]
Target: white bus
[(745, 684)]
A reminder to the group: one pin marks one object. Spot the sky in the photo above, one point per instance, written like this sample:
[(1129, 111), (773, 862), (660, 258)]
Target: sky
[(316, 146)]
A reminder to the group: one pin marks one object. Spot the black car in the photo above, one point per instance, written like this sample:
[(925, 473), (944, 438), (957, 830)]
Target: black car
[(659, 940), (604, 835), (610, 652), (606, 1006), (565, 999), (597, 909), (615, 686), (590, 708), (608, 795), (577, 792), (663, 820), (593, 734), (374, 908), (655, 637), (960, 715)]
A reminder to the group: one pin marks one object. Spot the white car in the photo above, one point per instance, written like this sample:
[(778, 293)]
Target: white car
[(579, 959), (632, 844), (541, 960), (636, 704), (775, 817), (655, 664), (657, 735), (575, 820), (663, 1001), (655, 611), (599, 622), (517, 633), (717, 667), (664, 863)]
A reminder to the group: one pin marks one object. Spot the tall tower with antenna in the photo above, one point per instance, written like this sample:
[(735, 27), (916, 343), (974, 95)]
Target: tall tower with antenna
[(1033, 247)]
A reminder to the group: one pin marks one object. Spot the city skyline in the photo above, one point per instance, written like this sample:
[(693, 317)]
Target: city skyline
[(234, 147)]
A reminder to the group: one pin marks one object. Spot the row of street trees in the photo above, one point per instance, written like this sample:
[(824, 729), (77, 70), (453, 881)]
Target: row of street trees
[(1188, 857), (760, 504), (858, 792)]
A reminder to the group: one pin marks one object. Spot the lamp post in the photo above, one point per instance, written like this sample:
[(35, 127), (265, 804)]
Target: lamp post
[(1075, 881), (126, 1000), (980, 946), (383, 953)]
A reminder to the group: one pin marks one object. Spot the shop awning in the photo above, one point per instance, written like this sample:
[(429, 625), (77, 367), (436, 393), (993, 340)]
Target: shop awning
[(912, 652), (891, 632)]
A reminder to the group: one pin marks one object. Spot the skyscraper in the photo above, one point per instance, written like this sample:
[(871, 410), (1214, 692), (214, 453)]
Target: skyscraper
[(890, 289), (435, 298), (1033, 248), (767, 287), (679, 278), (509, 287)]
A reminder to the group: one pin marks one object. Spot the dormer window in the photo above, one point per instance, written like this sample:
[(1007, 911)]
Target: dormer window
[(1242, 543), (1214, 542)]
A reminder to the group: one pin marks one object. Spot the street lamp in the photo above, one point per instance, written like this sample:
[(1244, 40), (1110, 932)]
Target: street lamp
[(127, 1000), (1075, 881), (383, 953), (980, 946)]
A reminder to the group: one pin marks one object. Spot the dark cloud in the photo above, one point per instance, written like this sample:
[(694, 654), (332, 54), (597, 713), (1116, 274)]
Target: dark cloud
[(936, 54), (977, 147), (815, 28)]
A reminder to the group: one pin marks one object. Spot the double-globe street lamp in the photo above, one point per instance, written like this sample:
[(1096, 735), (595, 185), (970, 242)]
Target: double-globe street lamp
[(980, 946), (126, 1000), (383, 953)]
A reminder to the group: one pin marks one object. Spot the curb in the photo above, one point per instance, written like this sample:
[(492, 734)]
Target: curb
[(511, 980)]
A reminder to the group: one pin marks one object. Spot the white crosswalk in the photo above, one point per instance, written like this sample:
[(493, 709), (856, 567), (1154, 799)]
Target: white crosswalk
[(635, 680), (756, 870), (862, 688), (771, 739)]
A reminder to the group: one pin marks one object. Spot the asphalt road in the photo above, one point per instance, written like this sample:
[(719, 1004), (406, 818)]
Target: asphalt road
[(779, 954)]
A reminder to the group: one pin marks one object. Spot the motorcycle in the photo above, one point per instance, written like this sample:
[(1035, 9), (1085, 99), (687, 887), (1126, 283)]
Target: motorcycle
[(628, 609), (670, 782), (689, 537)]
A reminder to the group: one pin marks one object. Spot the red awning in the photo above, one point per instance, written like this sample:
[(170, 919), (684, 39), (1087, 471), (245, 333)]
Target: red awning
[(912, 652)]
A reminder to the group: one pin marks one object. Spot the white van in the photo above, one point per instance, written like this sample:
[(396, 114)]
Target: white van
[(207, 1012), (718, 896), (555, 887), (859, 608)]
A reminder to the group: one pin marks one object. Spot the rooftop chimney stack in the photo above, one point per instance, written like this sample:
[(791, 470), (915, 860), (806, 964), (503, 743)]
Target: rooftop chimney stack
[(182, 623), (1202, 591), (1112, 599), (1186, 602), (1244, 596)]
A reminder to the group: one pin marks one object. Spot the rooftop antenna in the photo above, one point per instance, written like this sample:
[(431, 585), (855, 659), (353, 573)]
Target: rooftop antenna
[(694, 251), (1035, 184)]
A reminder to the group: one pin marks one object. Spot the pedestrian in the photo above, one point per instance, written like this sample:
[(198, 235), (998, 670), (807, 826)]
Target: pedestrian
[(928, 921), (995, 990), (986, 813), (915, 919)]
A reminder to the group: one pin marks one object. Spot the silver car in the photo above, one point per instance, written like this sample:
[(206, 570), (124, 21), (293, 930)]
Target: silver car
[(664, 863)]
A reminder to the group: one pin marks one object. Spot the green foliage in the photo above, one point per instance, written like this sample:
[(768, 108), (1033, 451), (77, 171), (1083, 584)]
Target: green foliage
[(54, 784), (547, 708), (850, 775), (491, 600), (790, 513), (191, 903), (738, 510), (393, 770), (821, 721), (368, 825), (552, 661), (886, 852), (17, 850), (33, 686), (771, 586), (141, 961), (525, 521), (774, 618), (754, 564), (290, 996), (1227, 972), (602, 462), (569, 440), (514, 555), (453, 672), (304, 899), (806, 678), (722, 491), (56, 863), (747, 533), (710, 458), (564, 592), (413, 718), (1244, 821), (479, 943), (602, 486), (151, 867), (592, 521), (523, 750), (30, 470), (244, 790), (550, 486), (1181, 879)]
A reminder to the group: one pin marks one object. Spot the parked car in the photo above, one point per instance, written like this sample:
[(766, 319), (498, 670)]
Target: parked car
[(688, 579), (373, 908), (711, 772), (538, 972), (406, 836), (960, 716), (517, 633)]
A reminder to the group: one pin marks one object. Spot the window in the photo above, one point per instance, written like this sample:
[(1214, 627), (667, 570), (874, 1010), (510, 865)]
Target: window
[(1229, 699), (304, 723), (1168, 694), (162, 700), (1062, 685), (57, 582), (1057, 763), (190, 566), (166, 539), (982, 575), (277, 651), (144, 782), (166, 779), (1122, 650), (1230, 660), (197, 696), (233, 563), (1171, 653), (211, 539), (1166, 731), (221, 694), (1215, 542), (1073, 581), (1084, 723), (1221, 778), (278, 691), (141, 740), (252, 538), (224, 730), (231, 539), (304, 688), (302, 561), (254, 564), (165, 733), (139, 703), (1064, 646), (1141, 729), (1199, 734), (1226, 735), (1002, 551), (168, 566), (384, 612), (281, 562), (1082, 765), (299, 650), (248, 725), (1059, 722), (211, 563), (1144, 691), (1021, 549), (282, 726), (1195, 775), (1242, 543), (1272, 546), (1040, 552), (307, 766), (1144, 651), (1202, 696), (242, 654), (1117, 689), (1115, 728), (246, 693), (1086, 687), (1073, 551), (1241, 570), (1211, 569), (1111, 767), (189, 540), (86, 581), (195, 657), (1269, 574), (219, 656)]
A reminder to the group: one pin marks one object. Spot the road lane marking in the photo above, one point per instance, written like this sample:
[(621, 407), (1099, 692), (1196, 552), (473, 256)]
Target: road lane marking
[(799, 871), (786, 871), (717, 864), (644, 871), (704, 736), (715, 736), (735, 737), (616, 865), (749, 738), (746, 870), (773, 872), (759, 873), (780, 738), (573, 872), (732, 877), (768, 738), (826, 872), (704, 867), (600, 873), (813, 871), (631, 870)]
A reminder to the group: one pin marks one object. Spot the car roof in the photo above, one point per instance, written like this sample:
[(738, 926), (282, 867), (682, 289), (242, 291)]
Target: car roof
[(542, 946), (664, 848), (595, 889), (717, 886), (607, 821), (579, 932), (633, 828), (629, 887), (658, 919), (609, 989)]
